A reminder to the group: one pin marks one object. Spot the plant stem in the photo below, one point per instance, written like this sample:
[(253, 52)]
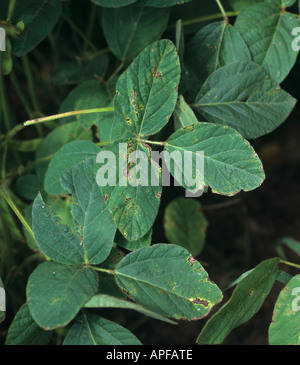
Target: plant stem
[(30, 82), (107, 271), (3, 102), (21, 94), (221, 205), (11, 9), (3, 163), (206, 18), (49, 118), (289, 263), (222, 11), (17, 212), (80, 33), (117, 70), (153, 142), (90, 26)]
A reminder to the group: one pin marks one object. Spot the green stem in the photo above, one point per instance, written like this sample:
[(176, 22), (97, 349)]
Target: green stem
[(11, 8), (3, 101), (80, 33), (30, 82), (107, 271), (153, 142), (36, 121), (17, 212), (21, 95), (117, 70), (3, 163), (206, 18), (289, 263), (91, 23), (222, 10)]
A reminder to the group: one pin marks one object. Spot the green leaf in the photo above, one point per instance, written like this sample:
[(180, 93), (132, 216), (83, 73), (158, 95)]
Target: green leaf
[(285, 326), (242, 96), (90, 329), (86, 92), (147, 91), (113, 3), (56, 139), (185, 225), (162, 4), (214, 46), (24, 330), (267, 30), (65, 158), (183, 114), (290, 243), (107, 301), (129, 196), (239, 5), (134, 245), (39, 17), (2, 302), (244, 303), (93, 94), (72, 73), (55, 293), (54, 239), (168, 280), (128, 30), (95, 224), (230, 163), (25, 146), (27, 186)]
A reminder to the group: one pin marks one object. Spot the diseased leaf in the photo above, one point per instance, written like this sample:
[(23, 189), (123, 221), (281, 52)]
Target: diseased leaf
[(146, 92), (245, 302), (107, 301), (230, 163), (56, 292), (214, 46), (285, 326), (24, 330), (127, 191), (185, 225), (267, 30), (130, 29), (65, 158), (168, 280), (90, 329), (242, 96), (39, 17), (95, 225)]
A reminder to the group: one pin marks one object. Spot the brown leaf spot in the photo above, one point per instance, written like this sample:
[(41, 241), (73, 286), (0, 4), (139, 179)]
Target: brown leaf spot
[(200, 301), (191, 260)]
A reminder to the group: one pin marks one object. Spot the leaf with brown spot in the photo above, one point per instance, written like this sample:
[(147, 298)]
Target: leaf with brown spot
[(161, 278)]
